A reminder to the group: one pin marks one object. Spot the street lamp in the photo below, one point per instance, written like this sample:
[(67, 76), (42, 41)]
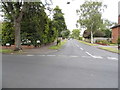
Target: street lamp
[(68, 2)]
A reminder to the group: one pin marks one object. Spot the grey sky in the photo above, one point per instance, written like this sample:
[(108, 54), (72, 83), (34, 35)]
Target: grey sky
[(111, 13)]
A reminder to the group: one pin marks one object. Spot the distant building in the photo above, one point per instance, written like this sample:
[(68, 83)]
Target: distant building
[(115, 33), (116, 29)]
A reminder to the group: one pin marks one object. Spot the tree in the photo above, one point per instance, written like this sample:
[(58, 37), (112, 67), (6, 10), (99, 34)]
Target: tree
[(90, 14), (7, 33), (16, 10), (106, 27), (59, 21), (76, 33), (65, 34)]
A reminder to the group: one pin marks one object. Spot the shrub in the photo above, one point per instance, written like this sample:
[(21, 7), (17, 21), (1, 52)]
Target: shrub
[(80, 38), (58, 41), (102, 42), (118, 40)]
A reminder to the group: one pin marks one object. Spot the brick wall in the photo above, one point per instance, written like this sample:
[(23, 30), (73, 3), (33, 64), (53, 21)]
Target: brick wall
[(114, 35)]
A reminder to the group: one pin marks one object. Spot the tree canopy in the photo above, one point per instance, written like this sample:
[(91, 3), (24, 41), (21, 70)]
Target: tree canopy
[(58, 20), (75, 33), (34, 24), (90, 16)]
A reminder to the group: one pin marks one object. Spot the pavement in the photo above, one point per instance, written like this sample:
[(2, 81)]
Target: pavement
[(76, 65), (116, 47)]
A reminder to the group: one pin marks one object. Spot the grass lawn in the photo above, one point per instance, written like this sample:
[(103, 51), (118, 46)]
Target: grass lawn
[(113, 44), (9, 51), (90, 44), (114, 50), (6, 51), (59, 45)]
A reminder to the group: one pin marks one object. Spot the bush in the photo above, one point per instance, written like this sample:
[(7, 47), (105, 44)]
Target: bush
[(80, 38), (58, 41), (118, 40), (102, 42)]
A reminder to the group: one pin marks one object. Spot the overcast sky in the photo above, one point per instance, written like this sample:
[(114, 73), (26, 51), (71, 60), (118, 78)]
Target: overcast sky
[(69, 10)]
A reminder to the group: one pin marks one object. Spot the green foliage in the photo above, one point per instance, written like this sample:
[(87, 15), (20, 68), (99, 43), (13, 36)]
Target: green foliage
[(80, 38), (119, 40), (59, 21), (106, 27), (0, 27), (59, 45), (58, 41), (90, 14), (103, 42), (75, 33), (7, 33), (65, 34), (99, 33), (35, 25)]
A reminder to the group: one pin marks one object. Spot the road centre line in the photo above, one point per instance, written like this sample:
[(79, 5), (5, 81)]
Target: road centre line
[(79, 46)]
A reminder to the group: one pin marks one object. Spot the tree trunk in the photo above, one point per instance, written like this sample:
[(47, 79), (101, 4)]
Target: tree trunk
[(17, 27), (91, 37)]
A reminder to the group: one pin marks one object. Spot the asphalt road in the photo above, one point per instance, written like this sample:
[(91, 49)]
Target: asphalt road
[(76, 65)]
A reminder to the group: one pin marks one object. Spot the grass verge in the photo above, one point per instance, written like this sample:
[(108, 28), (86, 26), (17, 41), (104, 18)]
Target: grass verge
[(59, 45), (90, 44), (113, 44), (6, 51), (9, 51), (114, 50)]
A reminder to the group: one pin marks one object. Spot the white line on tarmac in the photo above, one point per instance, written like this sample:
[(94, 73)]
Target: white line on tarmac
[(41, 55), (50, 55), (86, 56), (81, 48), (94, 56), (73, 56), (29, 55), (112, 58), (98, 57)]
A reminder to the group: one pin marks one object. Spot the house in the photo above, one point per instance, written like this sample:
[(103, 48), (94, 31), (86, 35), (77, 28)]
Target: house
[(116, 29), (115, 33)]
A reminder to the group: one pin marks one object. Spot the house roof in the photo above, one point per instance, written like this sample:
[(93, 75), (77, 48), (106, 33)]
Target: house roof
[(115, 26)]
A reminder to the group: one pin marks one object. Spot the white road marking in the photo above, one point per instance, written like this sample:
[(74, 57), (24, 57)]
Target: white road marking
[(81, 48), (29, 55), (89, 54), (73, 56), (98, 57), (112, 58), (50, 55), (41, 55), (94, 56), (86, 56), (60, 55)]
